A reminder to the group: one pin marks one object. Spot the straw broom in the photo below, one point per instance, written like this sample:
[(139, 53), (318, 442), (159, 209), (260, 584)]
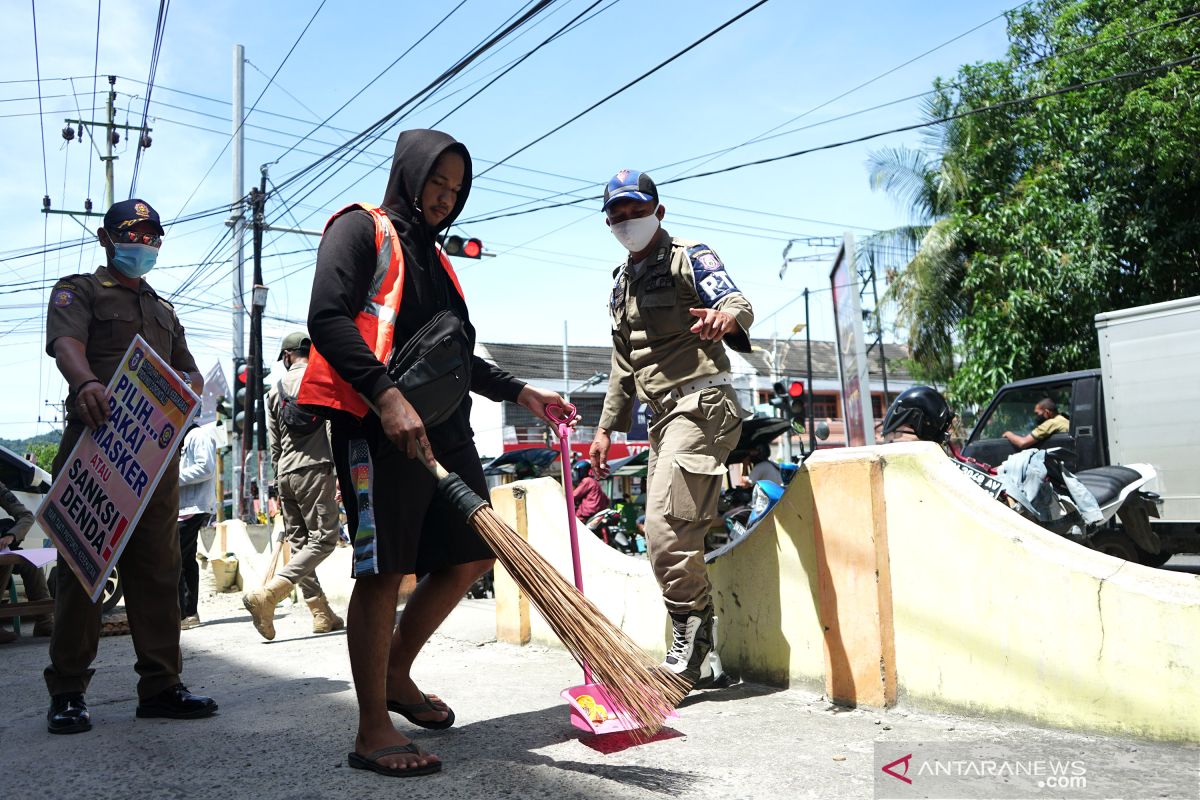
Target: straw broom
[(645, 690)]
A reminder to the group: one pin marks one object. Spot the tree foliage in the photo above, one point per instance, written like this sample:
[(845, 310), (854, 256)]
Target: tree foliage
[(1060, 208)]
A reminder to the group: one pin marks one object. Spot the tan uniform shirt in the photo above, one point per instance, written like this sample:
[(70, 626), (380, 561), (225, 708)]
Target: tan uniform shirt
[(654, 349), (291, 451), (1057, 424), (105, 316), (22, 516)]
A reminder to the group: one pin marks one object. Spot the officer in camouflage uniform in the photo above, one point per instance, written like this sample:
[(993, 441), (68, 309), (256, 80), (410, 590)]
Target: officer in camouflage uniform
[(672, 306), (90, 322)]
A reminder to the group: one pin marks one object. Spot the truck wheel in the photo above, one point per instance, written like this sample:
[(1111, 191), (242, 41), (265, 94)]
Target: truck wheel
[(1116, 544)]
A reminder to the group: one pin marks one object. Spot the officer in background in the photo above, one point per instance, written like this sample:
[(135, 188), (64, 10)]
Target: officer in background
[(672, 305), (304, 471), (12, 533), (90, 322)]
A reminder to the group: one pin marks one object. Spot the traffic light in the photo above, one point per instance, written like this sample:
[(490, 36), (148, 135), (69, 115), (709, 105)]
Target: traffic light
[(789, 399), (465, 248), (241, 373)]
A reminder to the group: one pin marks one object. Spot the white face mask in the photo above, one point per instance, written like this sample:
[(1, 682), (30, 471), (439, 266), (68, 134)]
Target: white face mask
[(635, 234)]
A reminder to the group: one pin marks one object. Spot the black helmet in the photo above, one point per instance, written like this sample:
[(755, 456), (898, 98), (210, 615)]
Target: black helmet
[(923, 409), (580, 469)]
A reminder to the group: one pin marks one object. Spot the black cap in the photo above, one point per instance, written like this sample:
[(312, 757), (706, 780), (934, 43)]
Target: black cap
[(630, 184), (127, 213)]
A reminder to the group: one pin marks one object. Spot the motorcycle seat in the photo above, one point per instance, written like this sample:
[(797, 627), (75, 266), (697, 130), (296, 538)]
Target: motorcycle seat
[(1106, 483)]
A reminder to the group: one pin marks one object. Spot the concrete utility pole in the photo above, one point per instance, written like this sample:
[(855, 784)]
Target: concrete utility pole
[(239, 232)]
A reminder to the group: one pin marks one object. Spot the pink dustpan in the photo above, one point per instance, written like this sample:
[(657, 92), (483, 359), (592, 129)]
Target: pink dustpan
[(593, 709)]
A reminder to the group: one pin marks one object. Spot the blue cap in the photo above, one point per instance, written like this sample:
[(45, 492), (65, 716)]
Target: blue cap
[(629, 184), (127, 213)]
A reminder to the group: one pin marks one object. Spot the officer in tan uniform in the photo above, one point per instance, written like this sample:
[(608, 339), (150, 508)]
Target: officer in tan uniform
[(12, 532), (303, 462), (90, 322), (672, 306)]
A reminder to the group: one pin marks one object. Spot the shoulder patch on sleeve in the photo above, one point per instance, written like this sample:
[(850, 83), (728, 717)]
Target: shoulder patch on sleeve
[(712, 281), (63, 295)]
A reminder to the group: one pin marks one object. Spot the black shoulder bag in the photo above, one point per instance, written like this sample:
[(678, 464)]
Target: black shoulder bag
[(433, 369)]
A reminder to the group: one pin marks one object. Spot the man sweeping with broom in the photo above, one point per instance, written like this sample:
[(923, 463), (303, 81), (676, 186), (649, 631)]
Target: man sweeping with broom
[(672, 305), (385, 305)]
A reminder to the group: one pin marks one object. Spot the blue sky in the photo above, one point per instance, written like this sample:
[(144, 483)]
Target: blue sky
[(776, 69)]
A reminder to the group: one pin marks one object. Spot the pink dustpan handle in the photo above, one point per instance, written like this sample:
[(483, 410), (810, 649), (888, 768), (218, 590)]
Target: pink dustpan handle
[(562, 416)]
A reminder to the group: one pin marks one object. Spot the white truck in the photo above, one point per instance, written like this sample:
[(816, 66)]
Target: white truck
[(1138, 407)]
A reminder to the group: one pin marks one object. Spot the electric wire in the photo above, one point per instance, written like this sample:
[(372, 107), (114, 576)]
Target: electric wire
[(631, 83), (765, 134), (372, 82), (164, 7), (242, 121), (513, 65), (380, 126), (95, 76), (374, 132), (876, 135)]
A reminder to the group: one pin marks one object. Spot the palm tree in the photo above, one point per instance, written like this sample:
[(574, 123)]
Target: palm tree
[(927, 290)]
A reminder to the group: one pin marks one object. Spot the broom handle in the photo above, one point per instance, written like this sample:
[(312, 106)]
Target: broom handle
[(564, 449)]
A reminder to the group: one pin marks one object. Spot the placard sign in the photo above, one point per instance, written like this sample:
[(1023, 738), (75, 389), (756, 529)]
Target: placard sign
[(108, 479)]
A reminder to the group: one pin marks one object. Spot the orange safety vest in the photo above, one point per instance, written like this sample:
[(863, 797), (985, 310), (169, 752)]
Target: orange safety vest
[(321, 385)]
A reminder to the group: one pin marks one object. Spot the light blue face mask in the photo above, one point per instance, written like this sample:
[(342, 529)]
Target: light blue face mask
[(134, 260)]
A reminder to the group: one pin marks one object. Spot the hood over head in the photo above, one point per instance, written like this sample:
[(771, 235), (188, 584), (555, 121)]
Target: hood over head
[(416, 152)]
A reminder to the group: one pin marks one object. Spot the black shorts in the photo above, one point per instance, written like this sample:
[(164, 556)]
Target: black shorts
[(404, 525)]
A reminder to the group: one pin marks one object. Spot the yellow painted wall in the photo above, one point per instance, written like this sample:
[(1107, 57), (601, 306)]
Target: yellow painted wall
[(988, 612), (996, 615)]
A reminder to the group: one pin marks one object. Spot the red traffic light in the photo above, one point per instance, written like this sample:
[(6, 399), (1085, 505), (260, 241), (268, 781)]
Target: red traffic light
[(242, 374), (796, 389), (464, 248)]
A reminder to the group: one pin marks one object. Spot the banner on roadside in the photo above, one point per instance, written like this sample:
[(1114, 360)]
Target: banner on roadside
[(108, 479)]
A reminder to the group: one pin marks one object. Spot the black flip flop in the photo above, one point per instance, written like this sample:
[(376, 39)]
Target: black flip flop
[(410, 710), (371, 762)]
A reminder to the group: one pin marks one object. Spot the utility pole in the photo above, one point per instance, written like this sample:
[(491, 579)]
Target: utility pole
[(808, 395), (239, 231), (259, 303), (111, 137)]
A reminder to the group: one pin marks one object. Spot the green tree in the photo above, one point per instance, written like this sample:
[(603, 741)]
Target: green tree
[(927, 293), (44, 454), (1082, 202)]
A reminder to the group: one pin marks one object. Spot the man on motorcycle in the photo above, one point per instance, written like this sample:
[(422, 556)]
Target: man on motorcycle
[(589, 497), (759, 467), (919, 413)]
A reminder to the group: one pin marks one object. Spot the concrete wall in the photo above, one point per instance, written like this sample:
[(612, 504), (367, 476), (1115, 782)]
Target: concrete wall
[(884, 575)]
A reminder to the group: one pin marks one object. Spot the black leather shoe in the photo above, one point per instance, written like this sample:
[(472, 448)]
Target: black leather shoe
[(68, 714), (176, 703)]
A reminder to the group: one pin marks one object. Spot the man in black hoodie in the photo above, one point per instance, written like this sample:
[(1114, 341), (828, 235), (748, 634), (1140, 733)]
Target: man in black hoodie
[(415, 530)]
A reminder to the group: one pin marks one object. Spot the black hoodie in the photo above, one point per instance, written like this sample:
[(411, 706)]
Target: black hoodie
[(346, 263)]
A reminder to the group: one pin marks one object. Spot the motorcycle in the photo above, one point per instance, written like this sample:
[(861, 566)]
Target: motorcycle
[(608, 525), (1088, 517)]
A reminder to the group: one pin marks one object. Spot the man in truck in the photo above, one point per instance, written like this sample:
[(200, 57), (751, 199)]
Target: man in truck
[(1051, 423)]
